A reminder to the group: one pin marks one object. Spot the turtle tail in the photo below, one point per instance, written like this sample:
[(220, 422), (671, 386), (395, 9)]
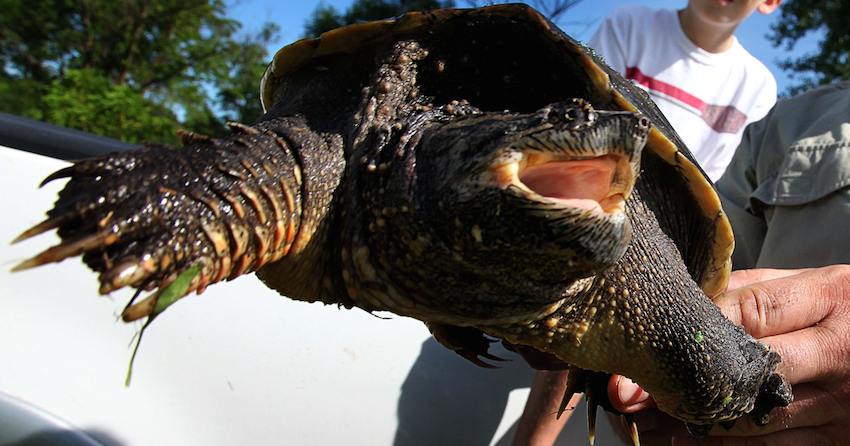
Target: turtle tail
[(223, 207)]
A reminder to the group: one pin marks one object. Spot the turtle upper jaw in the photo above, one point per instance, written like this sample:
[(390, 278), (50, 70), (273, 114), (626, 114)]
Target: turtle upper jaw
[(600, 184)]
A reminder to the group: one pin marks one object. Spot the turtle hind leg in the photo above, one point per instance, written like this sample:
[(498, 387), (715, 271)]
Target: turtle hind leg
[(596, 392), (468, 342)]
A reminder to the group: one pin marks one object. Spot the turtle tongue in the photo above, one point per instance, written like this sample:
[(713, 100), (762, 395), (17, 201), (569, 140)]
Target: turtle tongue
[(583, 184)]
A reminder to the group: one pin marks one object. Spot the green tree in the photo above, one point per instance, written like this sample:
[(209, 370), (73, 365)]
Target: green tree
[(174, 58), (826, 19), (85, 99)]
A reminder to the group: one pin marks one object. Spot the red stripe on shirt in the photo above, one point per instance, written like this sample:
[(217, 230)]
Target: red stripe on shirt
[(721, 118), (663, 87)]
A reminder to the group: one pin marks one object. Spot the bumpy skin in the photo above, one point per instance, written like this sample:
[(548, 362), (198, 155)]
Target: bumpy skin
[(395, 187), (648, 309)]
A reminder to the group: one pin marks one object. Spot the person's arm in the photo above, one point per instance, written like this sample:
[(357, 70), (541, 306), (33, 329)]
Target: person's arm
[(805, 316), (538, 425)]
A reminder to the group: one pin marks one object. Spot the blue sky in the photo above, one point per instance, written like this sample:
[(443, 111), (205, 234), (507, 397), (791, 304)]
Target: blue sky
[(580, 22)]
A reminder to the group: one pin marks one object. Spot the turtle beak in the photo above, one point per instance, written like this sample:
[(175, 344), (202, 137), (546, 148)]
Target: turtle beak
[(592, 164)]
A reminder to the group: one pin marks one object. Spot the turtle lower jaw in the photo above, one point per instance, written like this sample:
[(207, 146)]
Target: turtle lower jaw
[(599, 184)]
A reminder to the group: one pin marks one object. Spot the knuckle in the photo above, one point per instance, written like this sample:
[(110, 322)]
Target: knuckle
[(833, 344), (839, 276), (758, 309)]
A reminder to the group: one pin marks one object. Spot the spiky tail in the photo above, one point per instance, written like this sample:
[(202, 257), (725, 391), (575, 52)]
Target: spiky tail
[(141, 218)]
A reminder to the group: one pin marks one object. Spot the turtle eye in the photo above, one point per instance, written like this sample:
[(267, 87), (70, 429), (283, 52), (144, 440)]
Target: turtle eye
[(573, 114)]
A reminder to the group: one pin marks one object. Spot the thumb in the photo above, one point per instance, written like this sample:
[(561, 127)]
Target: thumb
[(626, 396)]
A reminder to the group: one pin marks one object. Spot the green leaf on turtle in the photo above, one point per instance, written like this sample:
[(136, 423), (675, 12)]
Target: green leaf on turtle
[(165, 297), (174, 291), (699, 337)]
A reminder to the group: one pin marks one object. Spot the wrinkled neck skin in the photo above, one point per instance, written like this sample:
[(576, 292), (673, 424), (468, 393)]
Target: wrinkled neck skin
[(696, 364)]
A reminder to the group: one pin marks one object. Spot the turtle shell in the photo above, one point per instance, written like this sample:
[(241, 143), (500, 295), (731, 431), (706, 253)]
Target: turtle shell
[(503, 57)]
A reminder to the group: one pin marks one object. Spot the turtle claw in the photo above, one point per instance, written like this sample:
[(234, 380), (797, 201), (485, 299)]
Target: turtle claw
[(473, 358), (124, 274), (575, 384), (61, 173), (44, 226), (632, 428), (68, 249), (591, 417), (138, 310)]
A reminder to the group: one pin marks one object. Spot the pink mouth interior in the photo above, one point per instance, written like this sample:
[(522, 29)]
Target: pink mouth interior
[(582, 184)]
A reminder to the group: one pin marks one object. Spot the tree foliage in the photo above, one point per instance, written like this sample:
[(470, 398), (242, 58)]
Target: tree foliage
[(86, 99), (165, 58), (826, 18)]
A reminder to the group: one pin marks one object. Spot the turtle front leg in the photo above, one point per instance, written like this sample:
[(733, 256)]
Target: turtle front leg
[(224, 206)]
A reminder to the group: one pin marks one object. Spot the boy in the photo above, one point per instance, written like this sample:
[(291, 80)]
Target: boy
[(706, 84)]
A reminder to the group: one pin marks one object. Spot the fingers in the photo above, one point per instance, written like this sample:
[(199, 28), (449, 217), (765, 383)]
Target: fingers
[(626, 396), (803, 316), (745, 277), (789, 303), (813, 406), (792, 437), (808, 355)]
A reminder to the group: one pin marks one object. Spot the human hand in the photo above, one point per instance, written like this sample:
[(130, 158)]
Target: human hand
[(805, 316)]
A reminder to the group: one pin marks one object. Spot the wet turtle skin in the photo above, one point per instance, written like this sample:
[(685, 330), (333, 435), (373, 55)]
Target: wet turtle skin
[(474, 169)]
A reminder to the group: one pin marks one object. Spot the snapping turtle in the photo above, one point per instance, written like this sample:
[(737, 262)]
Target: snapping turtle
[(475, 169)]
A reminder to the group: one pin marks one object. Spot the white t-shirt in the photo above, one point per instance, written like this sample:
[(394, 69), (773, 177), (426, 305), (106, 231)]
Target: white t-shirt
[(708, 97)]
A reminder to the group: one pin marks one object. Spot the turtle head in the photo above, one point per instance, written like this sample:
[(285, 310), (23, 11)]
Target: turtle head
[(561, 173)]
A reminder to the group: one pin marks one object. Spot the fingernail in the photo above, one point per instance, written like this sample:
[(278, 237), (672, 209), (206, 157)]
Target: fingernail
[(629, 392), (684, 441)]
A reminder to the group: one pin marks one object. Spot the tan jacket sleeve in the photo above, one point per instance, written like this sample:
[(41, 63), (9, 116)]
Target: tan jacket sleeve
[(787, 189)]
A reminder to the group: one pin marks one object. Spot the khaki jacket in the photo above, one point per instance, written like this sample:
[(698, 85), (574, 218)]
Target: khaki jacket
[(787, 189)]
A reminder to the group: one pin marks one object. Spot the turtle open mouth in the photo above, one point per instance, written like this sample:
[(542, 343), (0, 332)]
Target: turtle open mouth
[(600, 184)]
